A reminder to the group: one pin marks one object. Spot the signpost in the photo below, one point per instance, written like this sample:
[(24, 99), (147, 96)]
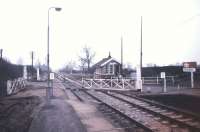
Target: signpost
[(162, 75), (38, 74), (190, 67)]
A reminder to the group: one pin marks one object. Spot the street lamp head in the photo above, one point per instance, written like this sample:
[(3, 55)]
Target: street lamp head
[(58, 9)]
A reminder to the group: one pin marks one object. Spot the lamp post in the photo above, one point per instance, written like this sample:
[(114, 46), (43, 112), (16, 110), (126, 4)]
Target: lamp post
[(48, 81)]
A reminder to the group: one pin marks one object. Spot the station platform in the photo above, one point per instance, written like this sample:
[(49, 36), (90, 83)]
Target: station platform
[(64, 113), (58, 116)]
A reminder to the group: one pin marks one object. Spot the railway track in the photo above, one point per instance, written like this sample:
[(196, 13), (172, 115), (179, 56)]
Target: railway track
[(167, 107), (145, 115), (182, 119)]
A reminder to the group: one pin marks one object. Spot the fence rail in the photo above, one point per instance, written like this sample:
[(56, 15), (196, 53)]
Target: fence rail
[(158, 80), (108, 83), (13, 86), (124, 83)]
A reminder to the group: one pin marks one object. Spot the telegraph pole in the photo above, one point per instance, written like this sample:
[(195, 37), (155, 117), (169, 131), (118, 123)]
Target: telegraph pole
[(141, 49), (139, 69), (32, 57), (121, 55)]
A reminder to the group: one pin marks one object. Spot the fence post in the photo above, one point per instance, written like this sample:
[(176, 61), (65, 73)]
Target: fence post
[(91, 83), (165, 85), (111, 83), (192, 80), (157, 80), (82, 83), (8, 87), (122, 83), (178, 87), (173, 80), (101, 83)]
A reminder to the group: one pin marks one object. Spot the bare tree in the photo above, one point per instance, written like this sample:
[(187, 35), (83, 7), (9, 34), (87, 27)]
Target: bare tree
[(87, 57), (82, 66)]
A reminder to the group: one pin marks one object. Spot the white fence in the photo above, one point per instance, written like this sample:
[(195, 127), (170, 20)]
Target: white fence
[(118, 83), (13, 86), (157, 80), (123, 83), (108, 83)]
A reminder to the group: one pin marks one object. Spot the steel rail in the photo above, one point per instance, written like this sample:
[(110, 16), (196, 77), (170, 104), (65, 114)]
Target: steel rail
[(195, 116), (172, 120), (117, 111), (122, 114)]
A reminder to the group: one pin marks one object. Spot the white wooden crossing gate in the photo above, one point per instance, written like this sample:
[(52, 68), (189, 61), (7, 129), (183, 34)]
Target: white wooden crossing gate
[(108, 83)]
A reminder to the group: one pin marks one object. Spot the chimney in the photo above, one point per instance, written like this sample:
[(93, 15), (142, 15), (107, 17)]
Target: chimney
[(109, 56)]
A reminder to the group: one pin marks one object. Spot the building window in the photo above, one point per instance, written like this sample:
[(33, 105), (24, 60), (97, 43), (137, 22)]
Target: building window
[(107, 69), (112, 69)]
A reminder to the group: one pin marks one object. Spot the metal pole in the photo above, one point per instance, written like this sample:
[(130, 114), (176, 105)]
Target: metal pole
[(141, 50), (48, 55), (48, 72), (141, 57), (121, 55), (32, 64)]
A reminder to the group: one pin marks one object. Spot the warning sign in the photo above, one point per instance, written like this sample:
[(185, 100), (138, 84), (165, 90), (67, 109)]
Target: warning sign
[(189, 66), (51, 76)]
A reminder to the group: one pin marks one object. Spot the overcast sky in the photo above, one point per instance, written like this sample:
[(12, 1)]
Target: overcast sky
[(171, 30)]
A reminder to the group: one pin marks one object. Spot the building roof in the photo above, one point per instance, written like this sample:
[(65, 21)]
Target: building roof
[(104, 61), (98, 64)]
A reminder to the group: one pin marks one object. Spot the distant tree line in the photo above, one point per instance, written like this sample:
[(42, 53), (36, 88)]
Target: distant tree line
[(11, 71)]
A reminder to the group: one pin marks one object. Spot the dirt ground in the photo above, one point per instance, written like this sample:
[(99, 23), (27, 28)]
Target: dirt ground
[(28, 111), (16, 111)]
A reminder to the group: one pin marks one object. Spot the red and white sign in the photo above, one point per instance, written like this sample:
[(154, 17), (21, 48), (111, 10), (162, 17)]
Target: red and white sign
[(189, 66), (189, 69)]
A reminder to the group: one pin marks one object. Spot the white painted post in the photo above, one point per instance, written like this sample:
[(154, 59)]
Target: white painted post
[(25, 75), (91, 83), (173, 81), (165, 85), (139, 80), (162, 75), (192, 79), (38, 74), (111, 83), (142, 78), (122, 83), (178, 87), (101, 85), (157, 80), (9, 86)]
